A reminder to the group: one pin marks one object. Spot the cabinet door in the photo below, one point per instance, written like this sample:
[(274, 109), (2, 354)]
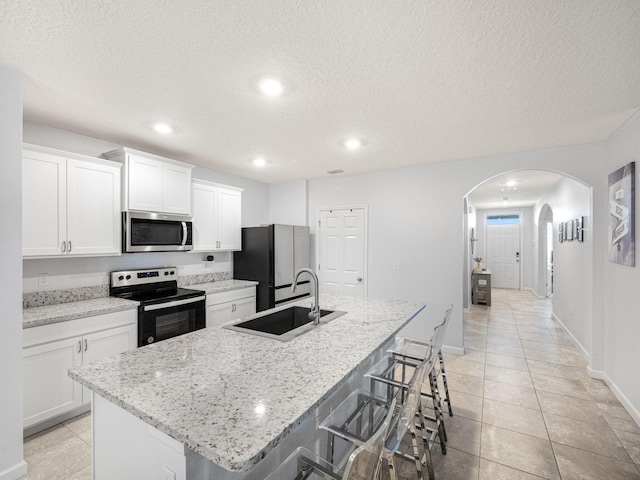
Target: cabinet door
[(43, 204), (218, 314), (48, 390), (97, 346), (176, 186), (229, 219), (243, 308), (205, 217), (144, 183), (93, 208)]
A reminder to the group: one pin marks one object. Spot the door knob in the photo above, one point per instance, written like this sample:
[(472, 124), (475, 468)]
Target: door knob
[(359, 279)]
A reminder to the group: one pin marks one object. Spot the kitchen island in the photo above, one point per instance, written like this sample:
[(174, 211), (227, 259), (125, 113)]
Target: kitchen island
[(221, 404)]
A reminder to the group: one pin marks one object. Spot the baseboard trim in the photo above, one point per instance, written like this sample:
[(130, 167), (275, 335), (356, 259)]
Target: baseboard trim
[(600, 375), (14, 472), (578, 345), (453, 350)]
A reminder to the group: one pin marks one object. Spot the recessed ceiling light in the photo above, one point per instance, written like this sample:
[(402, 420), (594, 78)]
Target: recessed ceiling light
[(259, 162), (271, 86), (162, 128), (352, 143), (511, 183)]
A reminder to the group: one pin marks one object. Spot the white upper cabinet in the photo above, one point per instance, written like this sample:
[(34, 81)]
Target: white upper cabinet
[(217, 211), (70, 204), (153, 183)]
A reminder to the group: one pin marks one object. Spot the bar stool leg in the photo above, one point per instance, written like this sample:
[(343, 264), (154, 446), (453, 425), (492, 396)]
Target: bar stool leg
[(447, 399)]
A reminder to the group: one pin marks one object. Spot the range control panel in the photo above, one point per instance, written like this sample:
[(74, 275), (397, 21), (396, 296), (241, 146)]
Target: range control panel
[(141, 277)]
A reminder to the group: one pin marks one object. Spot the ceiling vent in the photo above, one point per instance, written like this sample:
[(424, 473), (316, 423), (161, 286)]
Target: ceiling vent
[(333, 172)]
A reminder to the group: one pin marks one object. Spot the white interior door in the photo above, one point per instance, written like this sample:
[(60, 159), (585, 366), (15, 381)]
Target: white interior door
[(342, 252), (503, 255)]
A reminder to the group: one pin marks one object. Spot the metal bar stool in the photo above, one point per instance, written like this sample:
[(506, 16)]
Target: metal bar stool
[(354, 417), (412, 349), (362, 464)]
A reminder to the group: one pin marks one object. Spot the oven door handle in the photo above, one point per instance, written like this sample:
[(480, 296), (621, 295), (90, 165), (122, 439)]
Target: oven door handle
[(176, 303), (184, 233)]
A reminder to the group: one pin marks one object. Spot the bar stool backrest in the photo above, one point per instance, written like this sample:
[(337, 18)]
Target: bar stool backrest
[(438, 332), (364, 462), (408, 409)]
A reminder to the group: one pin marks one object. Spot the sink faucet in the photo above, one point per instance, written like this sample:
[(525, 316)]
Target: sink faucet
[(314, 314)]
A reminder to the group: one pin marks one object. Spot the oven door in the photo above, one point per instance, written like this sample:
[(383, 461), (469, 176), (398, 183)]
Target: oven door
[(156, 232), (161, 321)]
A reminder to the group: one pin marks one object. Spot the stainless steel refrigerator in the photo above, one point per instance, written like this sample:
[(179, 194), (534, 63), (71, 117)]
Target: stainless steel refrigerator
[(271, 255)]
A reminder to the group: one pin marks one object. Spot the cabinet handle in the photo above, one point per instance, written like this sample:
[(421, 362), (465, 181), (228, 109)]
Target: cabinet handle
[(86, 344), (69, 246), (64, 247), (233, 307), (79, 346)]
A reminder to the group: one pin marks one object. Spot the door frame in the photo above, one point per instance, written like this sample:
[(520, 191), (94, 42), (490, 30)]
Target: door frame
[(495, 212), (318, 260)]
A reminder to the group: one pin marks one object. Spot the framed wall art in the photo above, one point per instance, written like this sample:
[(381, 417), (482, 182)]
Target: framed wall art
[(622, 235)]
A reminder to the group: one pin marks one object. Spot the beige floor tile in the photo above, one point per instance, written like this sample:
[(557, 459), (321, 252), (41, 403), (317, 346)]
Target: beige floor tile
[(505, 350), (512, 394), (459, 364), (542, 356), (80, 424), (60, 462), (555, 370), (571, 407), (506, 361), (508, 375), (512, 417), (472, 355), (598, 439), (631, 442), (560, 386), (465, 383), (516, 450), (495, 340), (600, 392), (455, 465), (466, 405), (576, 464), (619, 418), (46, 440), (495, 471), (463, 434)]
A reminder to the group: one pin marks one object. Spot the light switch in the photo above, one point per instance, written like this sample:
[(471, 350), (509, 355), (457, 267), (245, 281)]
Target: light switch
[(397, 265), (43, 279)]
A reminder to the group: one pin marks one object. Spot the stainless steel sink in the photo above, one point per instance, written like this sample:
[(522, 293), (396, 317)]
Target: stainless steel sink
[(282, 324)]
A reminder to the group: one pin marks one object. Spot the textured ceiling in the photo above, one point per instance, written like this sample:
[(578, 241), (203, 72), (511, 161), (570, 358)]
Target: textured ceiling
[(420, 81), (521, 188)]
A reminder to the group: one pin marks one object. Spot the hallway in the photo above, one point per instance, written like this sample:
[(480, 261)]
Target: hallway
[(525, 408)]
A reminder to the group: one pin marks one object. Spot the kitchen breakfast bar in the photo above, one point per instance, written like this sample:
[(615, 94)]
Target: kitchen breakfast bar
[(220, 404)]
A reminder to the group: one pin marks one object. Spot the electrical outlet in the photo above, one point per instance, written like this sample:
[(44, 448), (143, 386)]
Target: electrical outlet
[(397, 265), (43, 279)]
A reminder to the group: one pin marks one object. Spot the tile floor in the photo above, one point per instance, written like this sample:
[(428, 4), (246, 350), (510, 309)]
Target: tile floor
[(524, 409)]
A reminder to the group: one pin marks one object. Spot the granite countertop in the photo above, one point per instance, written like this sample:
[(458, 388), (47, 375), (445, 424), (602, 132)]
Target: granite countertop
[(222, 286), (233, 396), (62, 312)]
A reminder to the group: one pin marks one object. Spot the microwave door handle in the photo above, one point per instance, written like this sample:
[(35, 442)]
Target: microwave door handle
[(176, 303), (184, 233)]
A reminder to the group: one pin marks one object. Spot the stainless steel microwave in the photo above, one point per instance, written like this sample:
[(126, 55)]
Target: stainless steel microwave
[(156, 232)]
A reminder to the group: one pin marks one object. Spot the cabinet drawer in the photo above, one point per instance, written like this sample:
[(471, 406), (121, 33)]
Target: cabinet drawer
[(75, 328), (230, 296)]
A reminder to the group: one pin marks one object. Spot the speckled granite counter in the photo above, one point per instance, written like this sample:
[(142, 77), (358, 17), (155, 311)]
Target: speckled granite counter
[(223, 286), (232, 397), (36, 316)]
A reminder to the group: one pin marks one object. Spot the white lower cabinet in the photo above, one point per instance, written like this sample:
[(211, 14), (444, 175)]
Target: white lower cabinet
[(49, 351), (226, 306)]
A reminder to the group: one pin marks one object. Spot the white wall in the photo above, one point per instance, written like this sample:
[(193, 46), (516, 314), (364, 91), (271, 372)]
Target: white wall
[(11, 456), (415, 216), (621, 335), (289, 203), (572, 260), (526, 240)]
